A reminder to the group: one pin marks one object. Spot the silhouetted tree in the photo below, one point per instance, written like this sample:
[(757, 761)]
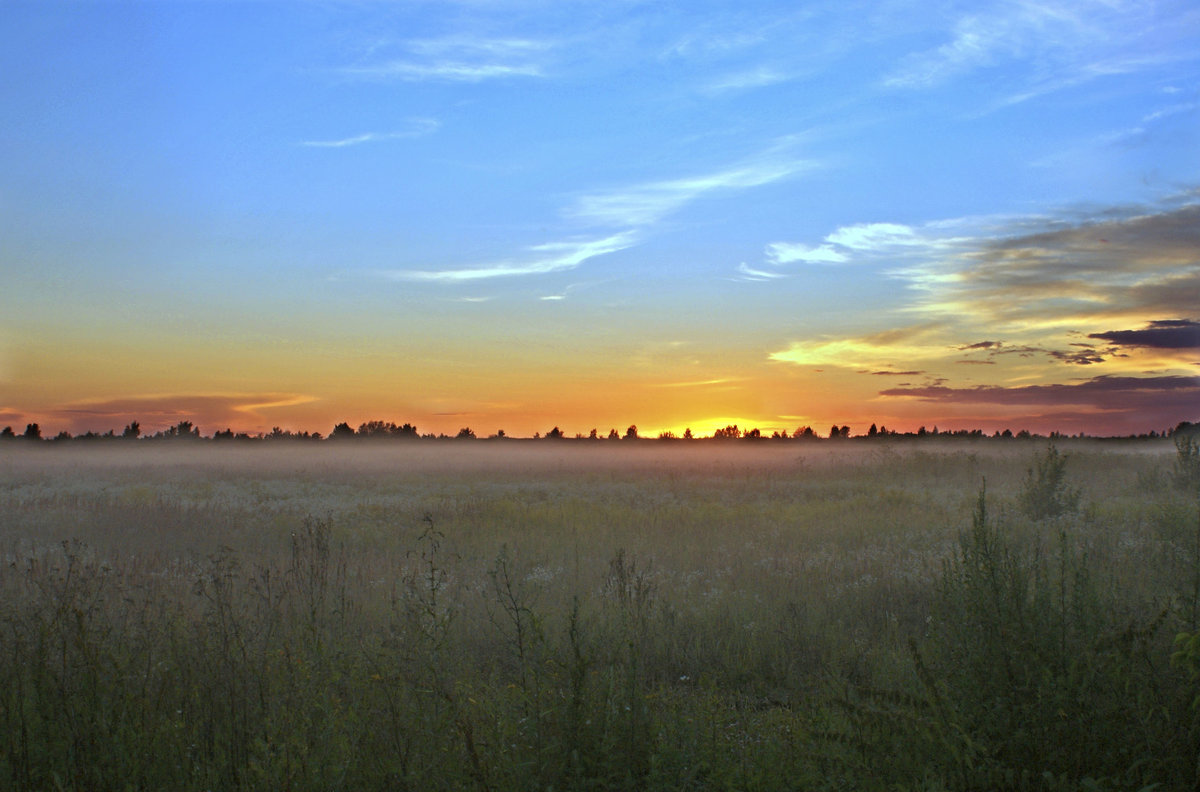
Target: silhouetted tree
[(554, 434), (62, 436), (752, 434), (873, 431), (631, 433), (667, 434), (592, 435), (687, 433), (341, 432), (612, 435), (32, 432), (804, 433), (465, 434), (377, 429), (7, 433), (132, 431), (500, 434), (730, 432)]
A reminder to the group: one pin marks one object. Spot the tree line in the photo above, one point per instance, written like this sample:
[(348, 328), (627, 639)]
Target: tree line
[(388, 430)]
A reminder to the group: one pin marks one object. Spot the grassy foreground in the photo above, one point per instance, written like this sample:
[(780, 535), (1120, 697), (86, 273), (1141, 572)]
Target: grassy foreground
[(845, 616)]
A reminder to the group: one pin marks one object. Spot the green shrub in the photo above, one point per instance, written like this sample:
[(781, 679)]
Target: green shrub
[(1045, 492)]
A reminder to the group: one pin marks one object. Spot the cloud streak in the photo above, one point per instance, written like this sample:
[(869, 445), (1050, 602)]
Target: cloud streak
[(645, 204), (1104, 392), (546, 258), (459, 59), (154, 411), (418, 127)]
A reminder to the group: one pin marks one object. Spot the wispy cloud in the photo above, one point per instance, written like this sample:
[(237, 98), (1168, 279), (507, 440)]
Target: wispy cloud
[(700, 383), (206, 410), (1043, 47), (780, 253), (857, 243), (459, 59), (871, 351), (759, 77), (750, 273), (542, 259), (644, 204), (417, 127)]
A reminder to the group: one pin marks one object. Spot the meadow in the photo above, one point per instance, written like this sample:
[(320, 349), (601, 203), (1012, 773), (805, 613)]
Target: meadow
[(593, 616)]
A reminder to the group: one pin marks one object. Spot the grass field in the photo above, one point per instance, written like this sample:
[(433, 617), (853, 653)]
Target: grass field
[(575, 616)]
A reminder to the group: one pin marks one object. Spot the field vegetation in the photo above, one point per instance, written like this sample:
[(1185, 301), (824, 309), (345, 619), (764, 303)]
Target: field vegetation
[(978, 615)]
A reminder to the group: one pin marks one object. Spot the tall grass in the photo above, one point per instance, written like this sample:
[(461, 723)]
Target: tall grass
[(868, 621)]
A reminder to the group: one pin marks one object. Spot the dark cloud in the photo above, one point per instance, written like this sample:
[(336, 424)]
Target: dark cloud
[(893, 373), (1083, 355), (1145, 260), (1078, 357), (1164, 334), (1103, 405), (1173, 394)]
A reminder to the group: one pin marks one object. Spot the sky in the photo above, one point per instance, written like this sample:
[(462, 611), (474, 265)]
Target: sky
[(521, 214)]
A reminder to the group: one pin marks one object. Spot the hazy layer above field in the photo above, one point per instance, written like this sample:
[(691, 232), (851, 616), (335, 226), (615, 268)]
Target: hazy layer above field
[(532, 457)]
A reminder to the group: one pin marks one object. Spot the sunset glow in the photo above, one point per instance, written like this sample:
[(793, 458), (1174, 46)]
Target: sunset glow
[(526, 214)]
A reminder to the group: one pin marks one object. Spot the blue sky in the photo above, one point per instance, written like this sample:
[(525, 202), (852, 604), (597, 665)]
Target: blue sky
[(516, 213)]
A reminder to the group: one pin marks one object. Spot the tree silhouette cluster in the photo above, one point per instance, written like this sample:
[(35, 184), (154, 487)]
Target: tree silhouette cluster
[(186, 431)]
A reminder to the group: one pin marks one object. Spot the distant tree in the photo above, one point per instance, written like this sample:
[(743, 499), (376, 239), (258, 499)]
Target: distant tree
[(1023, 434), (377, 429), (407, 432), (226, 435), (921, 432), (612, 435), (804, 433), (844, 431), (7, 433), (465, 434), (752, 434), (62, 436), (341, 432), (873, 431), (132, 431), (554, 434), (500, 434), (32, 432), (537, 435), (687, 433), (592, 435), (631, 433), (730, 432), (835, 432), (187, 429), (667, 434)]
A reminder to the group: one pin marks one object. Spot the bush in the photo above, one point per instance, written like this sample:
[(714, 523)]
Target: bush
[(1045, 492)]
